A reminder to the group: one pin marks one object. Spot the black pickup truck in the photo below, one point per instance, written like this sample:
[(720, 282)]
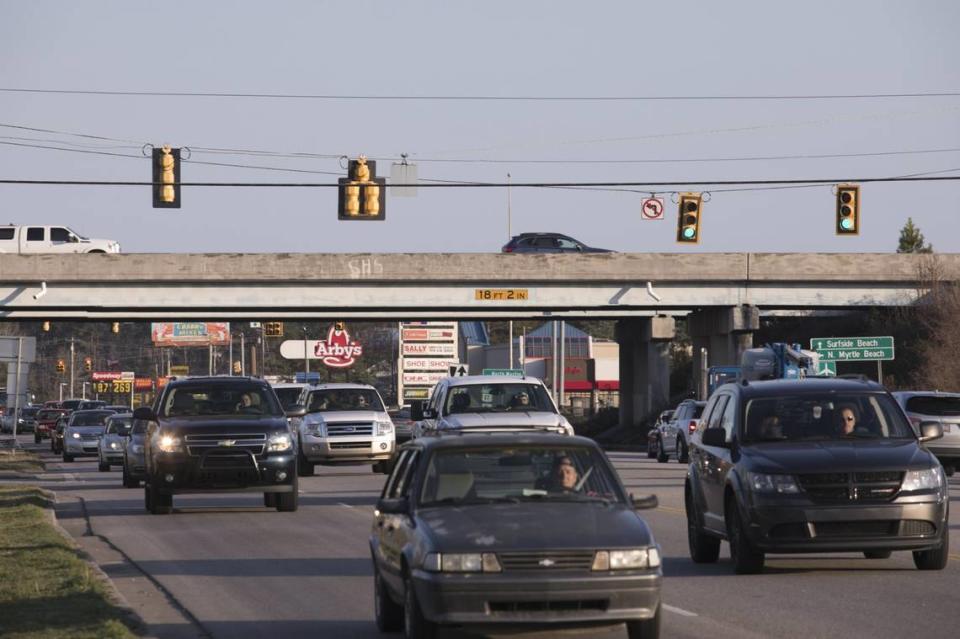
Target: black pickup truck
[(218, 434)]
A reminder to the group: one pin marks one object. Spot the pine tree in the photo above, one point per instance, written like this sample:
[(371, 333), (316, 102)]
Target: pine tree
[(911, 239)]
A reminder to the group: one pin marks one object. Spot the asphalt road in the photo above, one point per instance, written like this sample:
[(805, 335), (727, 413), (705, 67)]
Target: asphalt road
[(241, 570)]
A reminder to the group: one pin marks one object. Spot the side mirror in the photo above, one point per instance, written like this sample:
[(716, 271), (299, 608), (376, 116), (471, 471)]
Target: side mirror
[(716, 437), (297, 410), (145, 413), (73, 239), (416, 410), (429, 413), (644, 502), (398, 506), (930, 431)]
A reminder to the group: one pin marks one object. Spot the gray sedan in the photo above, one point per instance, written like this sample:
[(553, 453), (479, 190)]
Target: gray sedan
[(113, 440)]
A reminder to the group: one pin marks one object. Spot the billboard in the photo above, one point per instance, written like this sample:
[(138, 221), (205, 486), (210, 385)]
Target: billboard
[(190, 333)]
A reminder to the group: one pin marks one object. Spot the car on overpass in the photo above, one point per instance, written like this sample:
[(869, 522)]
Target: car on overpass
[(213, 434), (818, 465), (934, 406), (488, 403), (510, 529), (548, 243)]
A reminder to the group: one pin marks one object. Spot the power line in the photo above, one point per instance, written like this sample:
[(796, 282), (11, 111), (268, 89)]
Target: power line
[(486, 98)]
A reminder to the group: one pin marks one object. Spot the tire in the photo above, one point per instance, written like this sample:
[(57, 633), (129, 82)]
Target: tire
[(270, 500), (288, 502), (388, 613), (661, 455), (95, 251), (103, 468), (304, 467), (704, 549), (948, 470), (415, 625), (36, 438), (646, 628), (935, 558), (652, 449), (128, 481), (682, 455), (67, 458), (159, 503), (747, 560), (877, 554)]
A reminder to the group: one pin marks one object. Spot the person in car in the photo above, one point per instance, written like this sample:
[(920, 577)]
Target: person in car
[(249, 403), (564, 476), (521, 400), (770, 428), (460, 403), (848, 420)]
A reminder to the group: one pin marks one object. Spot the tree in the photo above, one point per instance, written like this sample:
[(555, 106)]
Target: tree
[(911, 239)]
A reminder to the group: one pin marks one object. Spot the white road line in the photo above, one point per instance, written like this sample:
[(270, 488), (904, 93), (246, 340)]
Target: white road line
[(340, 503), (679, 611)]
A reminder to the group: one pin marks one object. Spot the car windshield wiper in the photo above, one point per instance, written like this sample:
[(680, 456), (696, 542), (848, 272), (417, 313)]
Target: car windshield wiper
[(474, 501)]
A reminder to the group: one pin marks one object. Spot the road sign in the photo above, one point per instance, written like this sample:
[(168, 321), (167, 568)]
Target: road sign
[(827, 368), (652, 208), (458, 370), (503, 372), (853, 349)]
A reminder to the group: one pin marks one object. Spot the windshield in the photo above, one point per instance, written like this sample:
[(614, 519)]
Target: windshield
[(88, 404), (935, 406), (496, 398), (48, 415), (71, 404), (828, 416), (201, 399), (344, 399), (91, 418), (288, 396), (119, 426), (520, 473)]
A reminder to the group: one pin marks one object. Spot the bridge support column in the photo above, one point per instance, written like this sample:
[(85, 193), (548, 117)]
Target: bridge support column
[(725, 333), (644, 366)]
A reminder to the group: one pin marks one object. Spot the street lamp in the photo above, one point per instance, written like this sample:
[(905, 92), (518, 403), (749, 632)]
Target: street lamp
[(83, 391), (62, 384), (306, 359)]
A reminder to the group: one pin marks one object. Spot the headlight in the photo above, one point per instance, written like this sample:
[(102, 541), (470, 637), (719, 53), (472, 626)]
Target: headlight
[(633, 559), (313, 428), (170, 444), (279, 442), (461, 562), (384, 428), (136, 449), (75, 435), (114, 445), (780, 484), (929, 479)]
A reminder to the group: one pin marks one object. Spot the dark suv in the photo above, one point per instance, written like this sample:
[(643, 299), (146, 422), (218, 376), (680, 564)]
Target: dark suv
[(548, 243), (218, 434), (815, 465)]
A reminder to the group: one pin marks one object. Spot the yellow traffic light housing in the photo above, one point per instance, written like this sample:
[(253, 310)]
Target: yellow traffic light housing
[(61, 366), (848, 209), (362, 195), (45, 327), (115, 328), (273, 329), (688, 218), (87, 364), (166, 178), (236, 368)]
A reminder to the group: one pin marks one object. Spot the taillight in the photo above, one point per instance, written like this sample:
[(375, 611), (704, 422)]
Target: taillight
[(508, 249), (692, 426)]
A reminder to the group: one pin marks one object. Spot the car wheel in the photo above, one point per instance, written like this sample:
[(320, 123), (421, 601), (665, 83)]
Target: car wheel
[(682, 456), (158, 503), (646, 628), (304, 467), (389, 614), (415, 625), (652, 449), (661, 454), (270, 500), (36, 438), (877, 554), (704, 549), (67, 458), (747, 560), (128, 481), (948, 470), (288, 502), (103, 468), (935, 558)]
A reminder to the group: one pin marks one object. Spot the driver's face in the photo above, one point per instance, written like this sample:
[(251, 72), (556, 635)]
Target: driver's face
[(567, 475)]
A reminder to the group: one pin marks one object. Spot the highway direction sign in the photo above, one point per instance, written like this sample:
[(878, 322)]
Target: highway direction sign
[(504, 372), (853, 349), (827, 368)]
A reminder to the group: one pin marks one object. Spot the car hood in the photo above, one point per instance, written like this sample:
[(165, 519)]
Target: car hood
[(511, 419), (837, 455), (530, 526), (342, 416), (220, 425), (86, 430)]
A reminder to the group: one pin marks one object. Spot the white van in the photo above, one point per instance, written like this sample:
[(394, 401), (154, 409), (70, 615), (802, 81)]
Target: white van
[(51, 239)]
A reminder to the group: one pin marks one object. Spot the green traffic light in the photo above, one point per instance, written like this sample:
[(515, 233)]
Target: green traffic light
[(689, 232), (846, 224)]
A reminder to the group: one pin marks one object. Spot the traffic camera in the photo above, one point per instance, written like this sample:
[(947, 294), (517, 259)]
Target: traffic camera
[(848, 209), (166, 178), (688, 218)]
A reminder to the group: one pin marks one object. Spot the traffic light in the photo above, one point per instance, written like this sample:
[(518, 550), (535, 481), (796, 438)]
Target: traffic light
[(848, 209), (236, 368), (273, 329), (362, 195), (115, 328), (688, 218), (61, 366), (166, 178), (46, 327), (87, 364)]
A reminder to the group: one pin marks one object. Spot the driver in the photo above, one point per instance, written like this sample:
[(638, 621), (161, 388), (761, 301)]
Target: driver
[(564, 476)]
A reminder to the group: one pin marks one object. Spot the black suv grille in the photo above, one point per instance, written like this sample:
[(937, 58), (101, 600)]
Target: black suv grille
[(852, 487), (560, 560), (227, 442)]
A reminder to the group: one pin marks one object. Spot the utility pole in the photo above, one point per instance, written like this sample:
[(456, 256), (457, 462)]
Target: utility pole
[(243, 354), (563, 360), (306, 360), (72, 358), (509, 212)]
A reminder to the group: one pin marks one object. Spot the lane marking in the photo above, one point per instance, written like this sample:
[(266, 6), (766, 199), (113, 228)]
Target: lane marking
[(340, 503), (679, 611), (671, 509)]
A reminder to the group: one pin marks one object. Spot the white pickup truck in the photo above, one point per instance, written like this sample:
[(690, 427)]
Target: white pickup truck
[(51, 239)]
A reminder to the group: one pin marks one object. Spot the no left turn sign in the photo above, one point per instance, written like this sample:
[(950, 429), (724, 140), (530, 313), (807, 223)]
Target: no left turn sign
[(652, 208)]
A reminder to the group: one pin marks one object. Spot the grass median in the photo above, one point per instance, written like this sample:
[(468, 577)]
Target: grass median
[(20, 461), (47, 590)]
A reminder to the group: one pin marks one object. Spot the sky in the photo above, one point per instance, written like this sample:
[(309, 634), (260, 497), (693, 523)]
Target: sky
[(507, 49)]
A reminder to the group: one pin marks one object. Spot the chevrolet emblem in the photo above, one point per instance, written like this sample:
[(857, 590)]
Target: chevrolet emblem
[(546, 563), (227, 443)]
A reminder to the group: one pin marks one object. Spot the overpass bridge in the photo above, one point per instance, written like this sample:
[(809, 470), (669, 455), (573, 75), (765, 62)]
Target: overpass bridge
[(444, 286)]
